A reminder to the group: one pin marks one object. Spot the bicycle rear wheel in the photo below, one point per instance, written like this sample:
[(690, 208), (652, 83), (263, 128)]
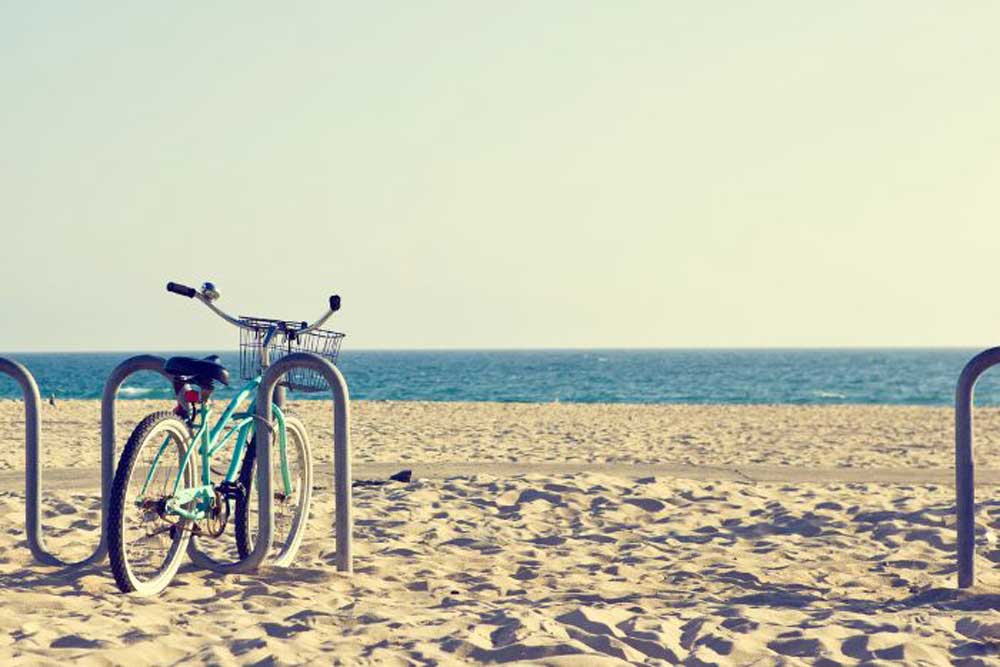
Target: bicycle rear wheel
[(146, 544), (291, 502)]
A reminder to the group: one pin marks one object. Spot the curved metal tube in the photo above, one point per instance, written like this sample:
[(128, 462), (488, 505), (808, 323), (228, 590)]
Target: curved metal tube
[(32, 459), (123, 371), (343, 521), (32, 467), (237, 322), (965, 501)]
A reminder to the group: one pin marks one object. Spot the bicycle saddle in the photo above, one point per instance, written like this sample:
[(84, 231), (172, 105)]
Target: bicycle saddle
[(202, 371)]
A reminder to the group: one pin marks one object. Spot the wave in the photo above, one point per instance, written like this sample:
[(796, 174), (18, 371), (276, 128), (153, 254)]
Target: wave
[(828, 394), (135, 391)]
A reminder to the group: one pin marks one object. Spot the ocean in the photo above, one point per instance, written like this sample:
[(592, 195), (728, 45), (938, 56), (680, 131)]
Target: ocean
[(739, 376)]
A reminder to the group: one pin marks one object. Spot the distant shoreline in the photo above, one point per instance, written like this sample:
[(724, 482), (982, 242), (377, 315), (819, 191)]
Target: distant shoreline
[(618, 404)]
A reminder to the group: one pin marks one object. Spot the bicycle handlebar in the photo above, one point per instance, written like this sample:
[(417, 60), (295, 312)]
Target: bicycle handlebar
[(183, 290), (191, 293)]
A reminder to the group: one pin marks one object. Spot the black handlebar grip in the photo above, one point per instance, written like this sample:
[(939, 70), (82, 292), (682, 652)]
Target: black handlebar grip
[(183, 290), (334, 303)]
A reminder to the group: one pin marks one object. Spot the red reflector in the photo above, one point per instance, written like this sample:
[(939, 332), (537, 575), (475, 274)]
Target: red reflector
[(191, 396)]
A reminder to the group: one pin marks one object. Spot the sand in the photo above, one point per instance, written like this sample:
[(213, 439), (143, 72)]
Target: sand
[(566, 565), (844, 436)]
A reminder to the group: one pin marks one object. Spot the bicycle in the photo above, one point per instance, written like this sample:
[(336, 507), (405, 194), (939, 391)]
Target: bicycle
[(162, 497)]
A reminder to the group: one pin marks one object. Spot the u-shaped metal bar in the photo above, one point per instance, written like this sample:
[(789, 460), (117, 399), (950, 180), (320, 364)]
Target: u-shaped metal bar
[(965, 479), (32, 459), (343, 522), (109, 403)]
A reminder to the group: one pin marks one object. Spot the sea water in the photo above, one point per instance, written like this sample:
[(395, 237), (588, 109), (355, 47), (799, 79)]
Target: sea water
[(743, 376)]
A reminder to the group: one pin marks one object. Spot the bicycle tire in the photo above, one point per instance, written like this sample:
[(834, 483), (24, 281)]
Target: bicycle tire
[(123, 566), (285, 546)]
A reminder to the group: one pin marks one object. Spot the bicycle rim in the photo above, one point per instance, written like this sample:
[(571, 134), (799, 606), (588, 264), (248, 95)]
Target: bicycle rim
[(291, 505), (151, 543)]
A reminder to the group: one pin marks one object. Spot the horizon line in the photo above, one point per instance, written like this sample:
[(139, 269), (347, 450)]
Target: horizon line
[(716, 348)]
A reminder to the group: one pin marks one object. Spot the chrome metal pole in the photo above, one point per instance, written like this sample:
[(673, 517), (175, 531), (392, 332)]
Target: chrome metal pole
[(32, 458), (32, 464), (123, 371), (965, 501), (343, 521)]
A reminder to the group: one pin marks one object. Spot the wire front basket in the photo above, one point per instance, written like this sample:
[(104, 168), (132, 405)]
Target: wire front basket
[(285, 340)]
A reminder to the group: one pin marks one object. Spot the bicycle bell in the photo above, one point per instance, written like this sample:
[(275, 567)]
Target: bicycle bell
[(209, 292)]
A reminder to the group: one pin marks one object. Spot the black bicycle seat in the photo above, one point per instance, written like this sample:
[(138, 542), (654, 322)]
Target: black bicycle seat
[(201, 371)]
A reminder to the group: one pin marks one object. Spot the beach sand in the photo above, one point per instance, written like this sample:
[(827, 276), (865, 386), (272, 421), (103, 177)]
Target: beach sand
[(569, 567)]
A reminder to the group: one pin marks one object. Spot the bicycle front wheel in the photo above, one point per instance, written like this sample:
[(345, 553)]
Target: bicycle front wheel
[(146, 542), (292, 494)]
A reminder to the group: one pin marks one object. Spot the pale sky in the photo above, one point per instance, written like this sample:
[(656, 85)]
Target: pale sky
[(516, 174)]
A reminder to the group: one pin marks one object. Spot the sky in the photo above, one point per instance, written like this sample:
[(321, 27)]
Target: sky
[(502, 175)]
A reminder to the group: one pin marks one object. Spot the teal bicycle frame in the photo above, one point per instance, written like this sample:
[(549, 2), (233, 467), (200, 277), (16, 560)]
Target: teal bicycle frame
[(195, 502)]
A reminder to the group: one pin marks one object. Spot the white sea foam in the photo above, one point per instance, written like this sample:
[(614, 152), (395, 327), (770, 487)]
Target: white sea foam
[(134, 391), (829, 394)]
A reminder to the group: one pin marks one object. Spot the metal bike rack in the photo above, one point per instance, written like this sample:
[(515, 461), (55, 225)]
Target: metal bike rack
[(32, 462), (109, 399), (343, 522), (965, 501)]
